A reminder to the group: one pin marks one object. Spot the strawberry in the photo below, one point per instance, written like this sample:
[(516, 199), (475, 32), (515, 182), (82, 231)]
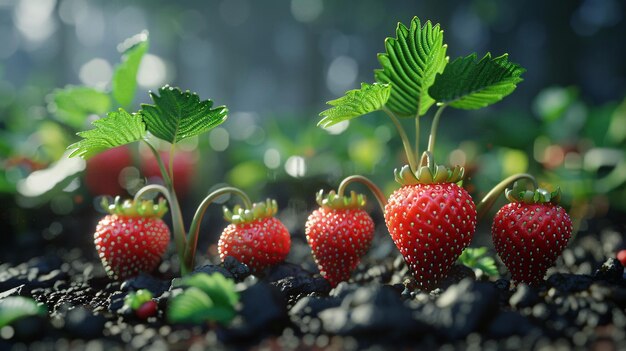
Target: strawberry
[(102, 173), (431, 220), (132, 238), (255, 237), (530, 233), (621, 256), (147, 310), (340, 233)]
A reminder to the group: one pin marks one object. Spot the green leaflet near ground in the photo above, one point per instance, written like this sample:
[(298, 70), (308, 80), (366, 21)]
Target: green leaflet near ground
[(410, 64), (13, 308), (469, 84), (124, 82), (177, 115), (370, 98), (117, 129), (477, 258), (72, 105)]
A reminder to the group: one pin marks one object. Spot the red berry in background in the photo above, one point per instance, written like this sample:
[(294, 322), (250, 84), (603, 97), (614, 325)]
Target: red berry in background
[(255, 237), (530, 233), (103, 171), (621, 256), (431, 220), (339, 232), (132, 238), (147, 309), (184, 166)]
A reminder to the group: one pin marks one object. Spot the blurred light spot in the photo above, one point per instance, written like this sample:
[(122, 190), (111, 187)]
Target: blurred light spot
[(553, 156), (551, 103), (338, 128), (152, 72), (514, 161), (219, 139), (71, 10), (458, 158), (599, 157), (62, 205), (271, 158), (242, 125), (10, 42), (7, 332), (295, 166), (33, 19), (90, 26), (54, 229), (382, 133), (128, 21), (234, 12), (96, 73), (342, 74), (289, 43), (366, 152), (129, 177), (306, 10), (40, 182), (188, 144)]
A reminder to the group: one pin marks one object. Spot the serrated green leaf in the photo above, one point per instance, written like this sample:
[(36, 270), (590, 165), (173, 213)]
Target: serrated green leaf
[(355, 103), (410, 65), (13, 308), (488, 266), (477, 259), (195, 306), (468, 84), (177, 115), (72, 105), (124, 82), (219, 288), (117, 129)]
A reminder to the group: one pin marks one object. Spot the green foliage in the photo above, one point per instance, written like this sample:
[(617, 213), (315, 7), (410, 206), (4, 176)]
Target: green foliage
[(13, 308), (355, 103), (177, 115), (124, 82), (73, 105), (136, 299), (412, 60), (478, 260), (468, 84), (117, 129), (207, 298)]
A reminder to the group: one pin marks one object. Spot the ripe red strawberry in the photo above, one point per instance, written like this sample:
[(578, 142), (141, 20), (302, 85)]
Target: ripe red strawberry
[(621, 256), (255, 237), (431, 220), (530, 233), (147, 309), (340, 233), (132, 238)]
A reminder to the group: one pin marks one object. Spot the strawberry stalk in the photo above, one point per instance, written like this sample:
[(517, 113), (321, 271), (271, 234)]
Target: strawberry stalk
[(487, 202), (194, 229), (433, 128), (382, 200), (405, 139)]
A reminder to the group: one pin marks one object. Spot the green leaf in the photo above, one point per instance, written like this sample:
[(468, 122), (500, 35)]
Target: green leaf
[(136, 299), (117, 129), (412, 60), (468, 84), (355, 103), (219, 288), (13, 308), (177, 115), (477, 259), (124, 83), (72, 105)]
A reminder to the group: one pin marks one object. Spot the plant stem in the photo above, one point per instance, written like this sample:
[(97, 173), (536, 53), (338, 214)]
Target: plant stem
[(194, 230), (487, 202), (382, 200), (180, 236), (171, 163), (417, 135), (405, 140), (433, 128)]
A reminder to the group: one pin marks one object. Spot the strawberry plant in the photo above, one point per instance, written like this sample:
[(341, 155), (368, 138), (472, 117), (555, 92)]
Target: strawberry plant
[(431, 217)]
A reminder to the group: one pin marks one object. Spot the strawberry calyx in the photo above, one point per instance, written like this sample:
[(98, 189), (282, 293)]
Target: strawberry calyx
[(259, 210), (334, 201), (428, 173), (537, 196), (135, 208)]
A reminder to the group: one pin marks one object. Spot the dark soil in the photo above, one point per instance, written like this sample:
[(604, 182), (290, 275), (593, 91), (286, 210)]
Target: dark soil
[(581, 305)]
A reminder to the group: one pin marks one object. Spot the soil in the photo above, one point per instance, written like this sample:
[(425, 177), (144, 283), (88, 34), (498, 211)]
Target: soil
[(581, 305)]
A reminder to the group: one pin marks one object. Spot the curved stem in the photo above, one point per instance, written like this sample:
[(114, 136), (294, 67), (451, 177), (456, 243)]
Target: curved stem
[(177, 219), (194, 230), (164, 174), (171, 163), (382, 200), (417, 136), (487, 202), (405, 140), (433, 128)]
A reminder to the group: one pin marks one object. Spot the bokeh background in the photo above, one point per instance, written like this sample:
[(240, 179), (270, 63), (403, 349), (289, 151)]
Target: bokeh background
[(275, 64)]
